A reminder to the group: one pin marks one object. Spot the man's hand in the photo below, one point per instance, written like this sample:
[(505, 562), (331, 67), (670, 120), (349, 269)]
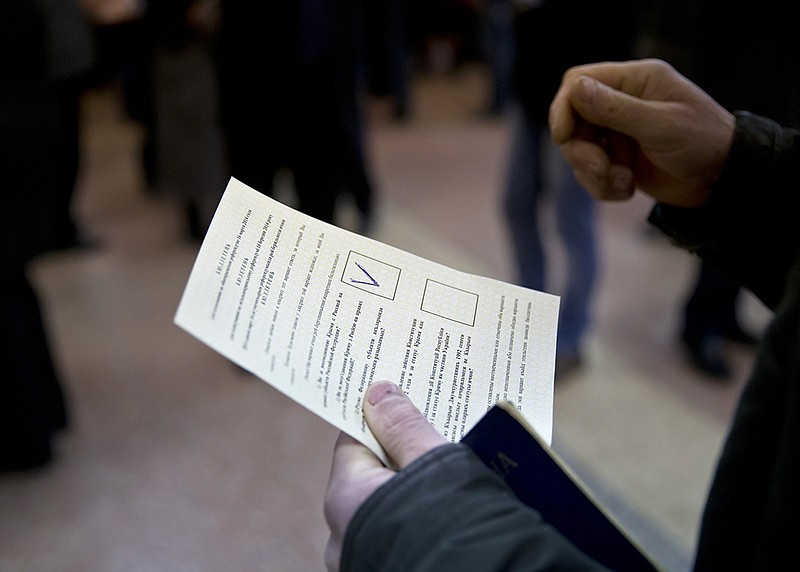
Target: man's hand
[(640, 124), (356, 472)]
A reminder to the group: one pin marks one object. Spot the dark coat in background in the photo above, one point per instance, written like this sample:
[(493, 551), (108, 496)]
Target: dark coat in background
[(45, 48), (290, 93)]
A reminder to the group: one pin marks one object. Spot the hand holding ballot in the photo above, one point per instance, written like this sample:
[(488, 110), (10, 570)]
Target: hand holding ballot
[(356, 473), (504, 442), (321, 313)]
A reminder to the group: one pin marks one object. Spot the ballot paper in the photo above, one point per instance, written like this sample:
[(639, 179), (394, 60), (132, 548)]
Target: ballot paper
[(320, 313)]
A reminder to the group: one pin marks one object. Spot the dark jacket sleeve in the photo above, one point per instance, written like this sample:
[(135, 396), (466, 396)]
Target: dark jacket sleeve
[(749, 226), (447, 511)]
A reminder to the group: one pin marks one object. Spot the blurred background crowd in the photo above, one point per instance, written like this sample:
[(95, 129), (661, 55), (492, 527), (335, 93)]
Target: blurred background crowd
[(124, 445)]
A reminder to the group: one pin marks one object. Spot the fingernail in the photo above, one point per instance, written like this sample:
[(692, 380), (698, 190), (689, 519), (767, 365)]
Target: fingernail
[(587, 89), (378, 391)]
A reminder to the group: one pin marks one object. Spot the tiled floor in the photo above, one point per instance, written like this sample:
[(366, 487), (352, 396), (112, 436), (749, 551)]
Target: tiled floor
[(175, 460)]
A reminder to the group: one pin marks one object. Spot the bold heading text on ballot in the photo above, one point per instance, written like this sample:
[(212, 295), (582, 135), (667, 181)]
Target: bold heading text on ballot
[(320, 313)]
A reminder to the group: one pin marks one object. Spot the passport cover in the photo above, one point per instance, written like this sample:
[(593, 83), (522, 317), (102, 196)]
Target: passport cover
[(505, 442)]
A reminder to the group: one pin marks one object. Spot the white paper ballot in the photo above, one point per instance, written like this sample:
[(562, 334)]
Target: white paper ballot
[(320, 313)]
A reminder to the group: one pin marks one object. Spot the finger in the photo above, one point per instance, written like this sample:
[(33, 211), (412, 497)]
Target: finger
[(561, 119), (603, 105), (355, 474), (332, 554), (615, 94), (594, 171), (352, 463), (351, 458), (644, 79), (403, 432)]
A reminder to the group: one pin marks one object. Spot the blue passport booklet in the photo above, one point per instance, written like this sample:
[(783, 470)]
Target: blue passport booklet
[(505, 442)]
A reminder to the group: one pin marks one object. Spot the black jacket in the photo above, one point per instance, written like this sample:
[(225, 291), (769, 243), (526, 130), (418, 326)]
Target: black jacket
[(448, 512)]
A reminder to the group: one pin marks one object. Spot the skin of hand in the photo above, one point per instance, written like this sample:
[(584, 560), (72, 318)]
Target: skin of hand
[(403, 432), (640, 124)]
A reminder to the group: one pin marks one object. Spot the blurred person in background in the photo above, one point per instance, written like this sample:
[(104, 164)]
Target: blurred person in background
[(70, 56), (162, 56), (534, 174), (752, 64), (123, 60), (388, 55), (291, 99), (187, 149), (47, 51), (497, 23)]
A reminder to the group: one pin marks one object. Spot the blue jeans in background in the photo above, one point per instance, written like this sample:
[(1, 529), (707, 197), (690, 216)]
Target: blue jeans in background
[(536, 171)]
